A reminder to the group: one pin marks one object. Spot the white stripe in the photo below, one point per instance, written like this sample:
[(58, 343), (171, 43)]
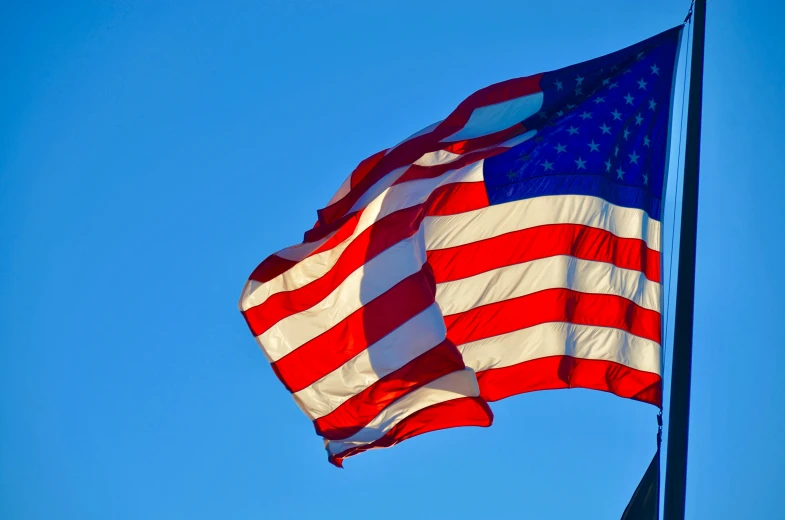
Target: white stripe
[(436, 158), (369, 281), (499, 116), (560, 339), (345, 188), (412, 339), (561, 271), (393, 199), (464, 228), (452, 386)]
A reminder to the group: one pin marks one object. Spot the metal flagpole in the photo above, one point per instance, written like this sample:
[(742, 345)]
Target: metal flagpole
[(681, 372)]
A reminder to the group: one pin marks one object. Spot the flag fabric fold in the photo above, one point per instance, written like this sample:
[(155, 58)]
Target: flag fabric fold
[(512, 247)]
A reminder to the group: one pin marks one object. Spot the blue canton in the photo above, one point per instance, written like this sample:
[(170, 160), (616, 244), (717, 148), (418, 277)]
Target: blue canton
[(602, 131)]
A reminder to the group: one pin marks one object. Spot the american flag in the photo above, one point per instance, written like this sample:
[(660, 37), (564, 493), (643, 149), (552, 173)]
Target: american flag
[(512, 247)]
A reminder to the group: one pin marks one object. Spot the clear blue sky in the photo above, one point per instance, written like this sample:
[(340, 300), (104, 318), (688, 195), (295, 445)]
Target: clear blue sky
[(152, 153)]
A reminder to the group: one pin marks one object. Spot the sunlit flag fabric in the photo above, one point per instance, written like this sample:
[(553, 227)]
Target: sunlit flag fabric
[(512, 247)]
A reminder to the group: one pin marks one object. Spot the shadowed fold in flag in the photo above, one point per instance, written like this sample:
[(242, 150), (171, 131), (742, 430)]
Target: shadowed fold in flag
[(513, 246)]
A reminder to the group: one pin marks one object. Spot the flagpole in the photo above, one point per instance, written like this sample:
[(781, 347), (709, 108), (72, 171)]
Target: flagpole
[(681, 371)]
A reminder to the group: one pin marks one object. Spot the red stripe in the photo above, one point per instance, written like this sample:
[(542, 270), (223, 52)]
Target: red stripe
[(321, 230), (365, 167), (411, 150), (342, 233), (271, 267), (354, 414), (367, 325), (555, 372), (587, 243), (367, 245), (455, 198), (464, 411), (553, 305)]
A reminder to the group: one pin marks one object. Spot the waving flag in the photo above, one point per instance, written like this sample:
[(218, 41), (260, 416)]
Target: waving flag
[(512, 247)]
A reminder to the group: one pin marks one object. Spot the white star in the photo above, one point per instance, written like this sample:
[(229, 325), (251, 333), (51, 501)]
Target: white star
[(646, 141), (570, 107), (613, 85), (605, 129), (558, 85), (585, 115), (608, 165), (634, 157), (581, 163), (616, 115), (655, 69), (640, 55), (559, 113), (646, 179), (547, 165), (578, 91), (605, 82), (628, 99), (572, 130), (594, 146), (616, 152), (652, 104), (638, 120), (627, 71), (542, 115), (642, 84), (619, 173), (579, 80), (614, 68), (626, 134), (560, 148), (599, 100)]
